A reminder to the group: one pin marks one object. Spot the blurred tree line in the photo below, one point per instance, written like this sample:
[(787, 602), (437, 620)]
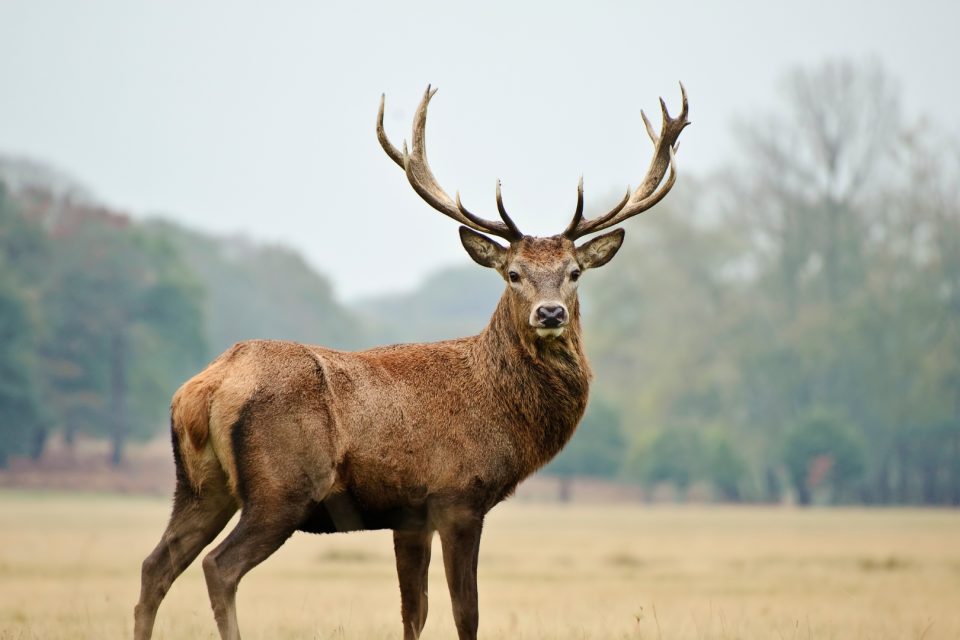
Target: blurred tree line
[(793, 323), (788, 326)]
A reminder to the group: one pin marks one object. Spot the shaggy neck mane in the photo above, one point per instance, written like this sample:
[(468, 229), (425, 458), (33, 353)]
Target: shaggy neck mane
[(542, 383)]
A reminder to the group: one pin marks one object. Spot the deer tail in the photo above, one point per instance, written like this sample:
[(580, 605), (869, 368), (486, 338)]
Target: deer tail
[(190, 421)]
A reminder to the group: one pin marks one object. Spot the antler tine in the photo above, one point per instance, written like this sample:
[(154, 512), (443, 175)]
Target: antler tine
[(414, 162), (505, 216), (650, 131), (578, 213), (685, 104), (391, 150), (577, 226), (650, 191), (487, 226)]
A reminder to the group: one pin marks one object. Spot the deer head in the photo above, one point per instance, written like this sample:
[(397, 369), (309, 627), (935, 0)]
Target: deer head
[(541, 273)]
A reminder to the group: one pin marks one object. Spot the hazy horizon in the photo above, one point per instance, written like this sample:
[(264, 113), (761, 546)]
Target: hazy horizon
[(245, 119)]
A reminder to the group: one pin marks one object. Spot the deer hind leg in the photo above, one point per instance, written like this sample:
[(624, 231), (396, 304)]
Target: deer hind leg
[(461, 549), (413, 560), (196, 520), (262, 529)]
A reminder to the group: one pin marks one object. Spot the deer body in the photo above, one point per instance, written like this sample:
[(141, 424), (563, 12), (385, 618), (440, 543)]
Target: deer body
[(417, 438), (488, 411)]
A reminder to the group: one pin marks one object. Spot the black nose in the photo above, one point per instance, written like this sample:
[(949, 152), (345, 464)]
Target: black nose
[(551, 315)]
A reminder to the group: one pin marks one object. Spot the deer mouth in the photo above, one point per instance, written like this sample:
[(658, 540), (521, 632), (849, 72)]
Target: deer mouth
[(550, 332)]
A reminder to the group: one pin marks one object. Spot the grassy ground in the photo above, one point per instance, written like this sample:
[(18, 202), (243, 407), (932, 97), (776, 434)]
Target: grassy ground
[(69, 568)]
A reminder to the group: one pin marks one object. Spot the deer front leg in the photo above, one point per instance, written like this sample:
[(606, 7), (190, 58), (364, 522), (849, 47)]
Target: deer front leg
[(461, 548), (413, 559)]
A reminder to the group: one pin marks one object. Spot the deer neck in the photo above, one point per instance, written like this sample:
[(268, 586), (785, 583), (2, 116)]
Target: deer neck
[(542, 384)]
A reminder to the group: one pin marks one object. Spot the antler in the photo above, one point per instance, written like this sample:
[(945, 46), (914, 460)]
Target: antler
[(647, 194), (421, 177)]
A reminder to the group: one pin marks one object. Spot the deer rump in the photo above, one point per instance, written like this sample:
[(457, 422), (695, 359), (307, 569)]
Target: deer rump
[(373, 447)]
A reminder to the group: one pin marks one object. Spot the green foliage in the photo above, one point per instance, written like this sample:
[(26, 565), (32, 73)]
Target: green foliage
[(126, 330), (673, 456), (597, 447), (24, 247), (728, 470), (20, 412), (934, 451), (682, 456), (822, 452), (101, 320)]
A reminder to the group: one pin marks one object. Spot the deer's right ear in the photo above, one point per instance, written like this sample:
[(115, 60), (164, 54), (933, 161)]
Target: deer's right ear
[(482, 249)]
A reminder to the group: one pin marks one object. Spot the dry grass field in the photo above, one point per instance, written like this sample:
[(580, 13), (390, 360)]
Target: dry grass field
[(69, 568)]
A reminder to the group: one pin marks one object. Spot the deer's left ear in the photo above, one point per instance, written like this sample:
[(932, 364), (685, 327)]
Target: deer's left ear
[(600, 250)]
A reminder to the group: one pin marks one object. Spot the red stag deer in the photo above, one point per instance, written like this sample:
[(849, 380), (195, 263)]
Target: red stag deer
[(416, 438)]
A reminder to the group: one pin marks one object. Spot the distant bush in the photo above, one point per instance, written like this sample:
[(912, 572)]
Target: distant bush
[(727, 469), (823, 454), (672, 456), (683, 456), (596, 449)]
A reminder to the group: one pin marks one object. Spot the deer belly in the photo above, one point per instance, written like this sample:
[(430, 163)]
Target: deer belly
[(344, 511)]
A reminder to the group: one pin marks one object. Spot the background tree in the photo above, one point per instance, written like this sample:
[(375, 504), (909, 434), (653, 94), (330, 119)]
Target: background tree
[(597, 448), (672, 456), (727, 469), (823, 451), (117, 318), (141, 312), (20, 409), (22, 248), (808, 191)]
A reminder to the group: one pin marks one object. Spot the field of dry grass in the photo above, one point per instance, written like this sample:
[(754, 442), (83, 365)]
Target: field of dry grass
[(69, 568)]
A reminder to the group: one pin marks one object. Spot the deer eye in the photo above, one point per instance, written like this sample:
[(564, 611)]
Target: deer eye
[(514, 276), (575, 275)]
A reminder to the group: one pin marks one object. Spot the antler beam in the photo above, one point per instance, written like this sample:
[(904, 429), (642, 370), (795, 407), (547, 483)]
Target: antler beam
[(415, 165)]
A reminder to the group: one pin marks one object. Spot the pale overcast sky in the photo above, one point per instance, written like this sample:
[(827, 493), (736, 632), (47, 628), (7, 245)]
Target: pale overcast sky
[(258, 117)]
